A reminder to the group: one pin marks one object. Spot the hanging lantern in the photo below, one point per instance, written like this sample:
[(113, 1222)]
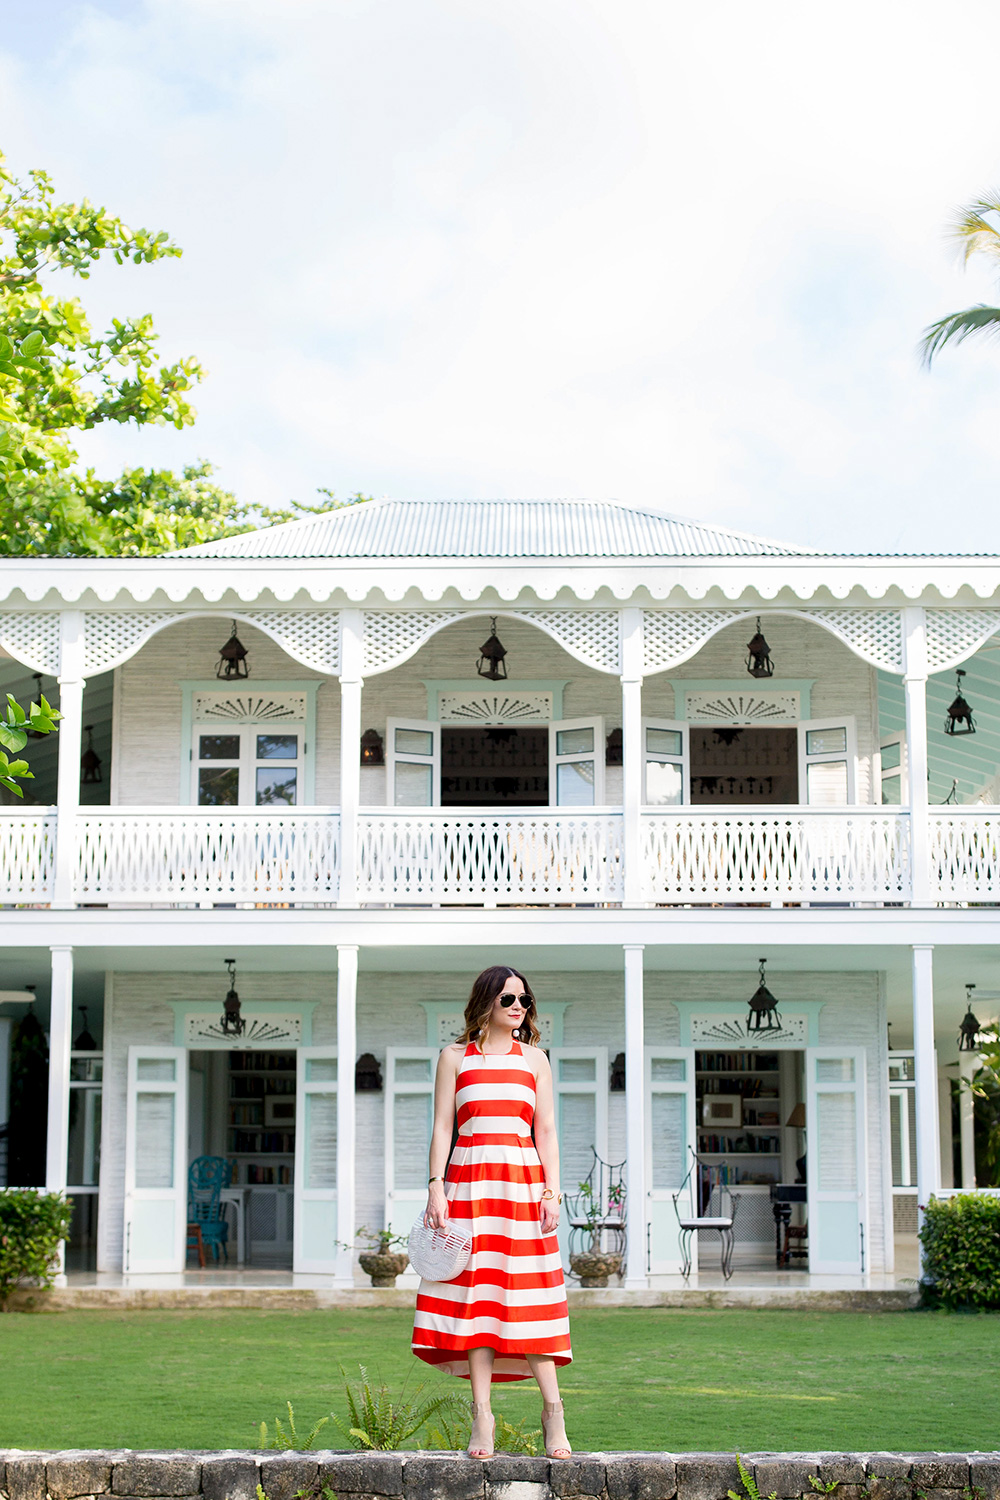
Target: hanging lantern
[(232, 658), (968, 1030), (617, 1081), (372, 748), (85, 1041), (759, 663), (491, 655), (90, 761), (959, 713), (367, 1074), (763, 1014), (232, 1022)]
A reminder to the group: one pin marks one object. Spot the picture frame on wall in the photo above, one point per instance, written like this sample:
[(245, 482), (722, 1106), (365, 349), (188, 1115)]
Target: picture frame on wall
[(279, 1111), (722, 1109)]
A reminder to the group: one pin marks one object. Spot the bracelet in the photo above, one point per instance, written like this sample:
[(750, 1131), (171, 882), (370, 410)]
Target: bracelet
[(434, 1179), (548, 1193)]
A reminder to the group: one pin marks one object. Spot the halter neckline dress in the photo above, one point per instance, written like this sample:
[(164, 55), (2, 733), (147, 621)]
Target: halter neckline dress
[(511, 1297)]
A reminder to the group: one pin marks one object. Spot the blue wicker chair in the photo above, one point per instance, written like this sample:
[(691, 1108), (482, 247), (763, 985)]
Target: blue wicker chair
[(207, 1176)]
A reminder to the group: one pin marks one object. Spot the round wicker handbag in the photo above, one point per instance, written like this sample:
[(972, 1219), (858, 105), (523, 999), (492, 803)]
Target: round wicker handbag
[(439, 1254)]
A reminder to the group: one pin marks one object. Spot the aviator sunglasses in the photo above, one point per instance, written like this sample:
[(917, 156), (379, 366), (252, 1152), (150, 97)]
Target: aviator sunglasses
[(508, 1000)]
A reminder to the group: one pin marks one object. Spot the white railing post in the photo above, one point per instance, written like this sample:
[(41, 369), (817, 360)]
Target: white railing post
[(636, 1276), (968, 1062), (70, 743), (351, 684), (347, 1039), (631, 680), (60, 1034), (915, 688), (925, 1076)]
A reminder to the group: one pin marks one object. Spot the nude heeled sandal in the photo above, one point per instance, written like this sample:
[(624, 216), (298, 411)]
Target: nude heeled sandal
[(479, 1409), (548, 1411)]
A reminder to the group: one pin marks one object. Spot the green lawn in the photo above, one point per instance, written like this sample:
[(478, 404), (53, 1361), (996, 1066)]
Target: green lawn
[(649, 1378)]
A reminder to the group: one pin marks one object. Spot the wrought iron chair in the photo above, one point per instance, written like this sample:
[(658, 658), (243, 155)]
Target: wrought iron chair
[(207, 1176), (596, 1214), (714, 1207)]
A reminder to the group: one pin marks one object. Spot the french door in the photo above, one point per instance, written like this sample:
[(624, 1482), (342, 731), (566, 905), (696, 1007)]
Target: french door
[(315, 1193), (576, 763), (580, 1090), (155, 1159), (409, 1116), (666, 763), (670, 1132), (827, 762), (836, 1160), (413, 762)]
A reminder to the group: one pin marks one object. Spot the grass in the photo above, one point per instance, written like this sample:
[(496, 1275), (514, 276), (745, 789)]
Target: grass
[(649, 1378)]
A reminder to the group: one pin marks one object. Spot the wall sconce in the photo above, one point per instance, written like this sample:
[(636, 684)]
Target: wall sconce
[(232, 658), (372, 748), (90, 761), (367, 1075), (959, 711), (613, 748), (231, 1021), (617, 1084), (759, 663), (491, 656), (763, 1007)]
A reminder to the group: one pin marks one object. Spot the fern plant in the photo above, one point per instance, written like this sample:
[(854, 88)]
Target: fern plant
[(377, 1421), (288, 1437), (749, 1484), (452, 1433)]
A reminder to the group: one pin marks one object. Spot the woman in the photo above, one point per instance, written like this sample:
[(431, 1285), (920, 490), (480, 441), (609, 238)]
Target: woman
[(505, 1317)]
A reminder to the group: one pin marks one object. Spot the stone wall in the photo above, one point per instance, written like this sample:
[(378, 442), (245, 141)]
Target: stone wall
[(442, 1476)]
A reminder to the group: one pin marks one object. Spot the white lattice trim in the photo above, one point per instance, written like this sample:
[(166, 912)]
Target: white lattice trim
[(672, 636), (112, 637), (32, 639), (592, 636), (392, 636), (953, 635), (310, 637), (876, 635)]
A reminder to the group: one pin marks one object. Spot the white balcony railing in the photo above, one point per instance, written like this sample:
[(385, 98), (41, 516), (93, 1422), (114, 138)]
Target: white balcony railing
[(494, 858), (156, 854), (965, 854), (27, 855), (784, 854)]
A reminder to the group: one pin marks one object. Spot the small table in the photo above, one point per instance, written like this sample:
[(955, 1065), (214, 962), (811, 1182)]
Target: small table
[(783, 1195), (236, 1197)]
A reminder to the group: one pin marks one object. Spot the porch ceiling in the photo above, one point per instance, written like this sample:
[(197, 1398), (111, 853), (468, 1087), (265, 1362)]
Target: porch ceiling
[(970, 760)]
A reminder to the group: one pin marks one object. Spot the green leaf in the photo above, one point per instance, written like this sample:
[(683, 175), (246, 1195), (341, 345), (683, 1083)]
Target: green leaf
[(33, 344)]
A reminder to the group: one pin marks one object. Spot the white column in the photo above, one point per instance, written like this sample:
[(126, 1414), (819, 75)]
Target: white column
[(347, 1039), (631, 680), (351, 684), (915, 688), (60, 1034), (925, 1074), (636, 1277), (968, 1062), (70, 743)]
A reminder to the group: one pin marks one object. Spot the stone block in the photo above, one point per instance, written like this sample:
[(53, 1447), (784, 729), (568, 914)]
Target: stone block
[(888, 1476), (641, 1476), (785, 1477), (283, 1476), (577, 1476), (444, 1478), (517, 1489), (25, 1477), (847, 1469), (230, 1476), (78, 1473), (361, 1473), (508, 1468), (706, 1476), (940, 1471), (157, 1474), (984, 1476)]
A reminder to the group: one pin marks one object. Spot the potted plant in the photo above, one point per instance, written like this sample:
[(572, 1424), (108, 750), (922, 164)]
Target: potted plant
[(381, 1262), (594, 1265)]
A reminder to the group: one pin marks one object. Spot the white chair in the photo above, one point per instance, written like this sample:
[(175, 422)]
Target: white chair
[(710, 1205)]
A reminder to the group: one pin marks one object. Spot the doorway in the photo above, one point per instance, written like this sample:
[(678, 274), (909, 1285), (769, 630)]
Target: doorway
[(501, 765), (750, 765)]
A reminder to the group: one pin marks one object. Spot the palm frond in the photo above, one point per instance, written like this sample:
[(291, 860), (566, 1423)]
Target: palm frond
[(957, 327), (973, 230)]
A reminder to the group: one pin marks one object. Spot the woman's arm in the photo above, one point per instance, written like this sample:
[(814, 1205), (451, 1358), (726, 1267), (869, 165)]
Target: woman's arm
[(445, 1084), (547, 1144)]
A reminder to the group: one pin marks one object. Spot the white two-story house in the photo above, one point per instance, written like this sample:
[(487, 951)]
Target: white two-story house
[(366, 754)]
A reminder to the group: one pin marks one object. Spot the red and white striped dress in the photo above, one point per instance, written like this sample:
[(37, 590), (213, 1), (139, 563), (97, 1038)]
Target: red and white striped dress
[(511, 1296)]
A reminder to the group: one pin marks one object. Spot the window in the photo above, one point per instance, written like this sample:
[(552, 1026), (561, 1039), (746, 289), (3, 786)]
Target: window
[(249, 766)]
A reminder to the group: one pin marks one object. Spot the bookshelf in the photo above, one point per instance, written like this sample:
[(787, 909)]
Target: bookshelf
[(260, 1119), (739, 1109)]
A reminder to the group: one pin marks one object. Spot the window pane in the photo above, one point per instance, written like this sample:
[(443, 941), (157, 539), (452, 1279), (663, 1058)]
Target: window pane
[(890, 756), (219, 788), (577, 1130), (892, 791), (86, 1069), (835, 1070), (84, 1158), (411, 1136), (160, 1069), (321, 1069), (577, 1070), (277, 746), (664, 741), (668, 1069), (320, 1125), (826, 741), (276, 787), (575, 784), (413, 1070), (154, 1141), (901, 1068), (574, 741), (414, 785), (218, 747), (414, 742), (826, 783), (664, 783), (668, 1140), (838, 1146)]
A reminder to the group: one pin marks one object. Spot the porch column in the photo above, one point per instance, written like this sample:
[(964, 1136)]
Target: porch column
[(925, 1075), (60, 1034), (968, 1062), (69, 740), (636, 1278), (915, 688), (351, 684), (631, 680), (347, 1035)]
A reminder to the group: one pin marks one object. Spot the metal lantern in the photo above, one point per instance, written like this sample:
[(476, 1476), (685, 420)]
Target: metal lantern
[(959, 713), (367, 1074), (90, 761), (491, 656), (232, 658), (617, 1081), (84, 1042), (763, 1014), (614, 748), (968, 1030), (232, 1022), (372, 748), (759, 663)]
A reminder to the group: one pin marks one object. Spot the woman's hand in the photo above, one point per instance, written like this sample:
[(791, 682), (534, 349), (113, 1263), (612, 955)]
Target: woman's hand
[(436, 1212), (548, 1217)]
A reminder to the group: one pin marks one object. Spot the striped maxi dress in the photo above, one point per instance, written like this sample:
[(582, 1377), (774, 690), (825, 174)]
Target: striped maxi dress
[(511, 1296)]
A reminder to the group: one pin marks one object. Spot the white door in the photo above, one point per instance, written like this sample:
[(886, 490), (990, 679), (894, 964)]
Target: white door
[(314, 1240), (409, 1116), (895, 790), (156, 1159), (576, 763), (666, 763), (580, 1089), (413, 762), (836, 1160), (827, 762), (670, 1131)]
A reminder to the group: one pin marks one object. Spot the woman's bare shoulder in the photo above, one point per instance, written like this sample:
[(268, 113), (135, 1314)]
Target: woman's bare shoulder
[(454, 1052), (537, 1060)]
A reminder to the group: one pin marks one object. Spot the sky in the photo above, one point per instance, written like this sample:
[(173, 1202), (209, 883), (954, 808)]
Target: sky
[(676, 255)]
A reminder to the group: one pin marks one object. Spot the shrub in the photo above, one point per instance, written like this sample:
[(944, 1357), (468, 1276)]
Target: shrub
[(32, 1224), (961, 1240)]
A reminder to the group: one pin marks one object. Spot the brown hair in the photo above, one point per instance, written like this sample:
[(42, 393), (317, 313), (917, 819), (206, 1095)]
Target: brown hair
[(485, 989)]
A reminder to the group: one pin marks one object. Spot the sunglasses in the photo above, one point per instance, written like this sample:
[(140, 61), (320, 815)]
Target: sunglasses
[(508, 1000)]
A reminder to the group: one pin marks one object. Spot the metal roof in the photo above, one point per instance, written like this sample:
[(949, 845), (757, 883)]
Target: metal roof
[(492, 528)]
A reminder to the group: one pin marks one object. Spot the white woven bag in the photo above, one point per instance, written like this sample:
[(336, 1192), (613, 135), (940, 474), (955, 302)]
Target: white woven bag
[(439, 1254)]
